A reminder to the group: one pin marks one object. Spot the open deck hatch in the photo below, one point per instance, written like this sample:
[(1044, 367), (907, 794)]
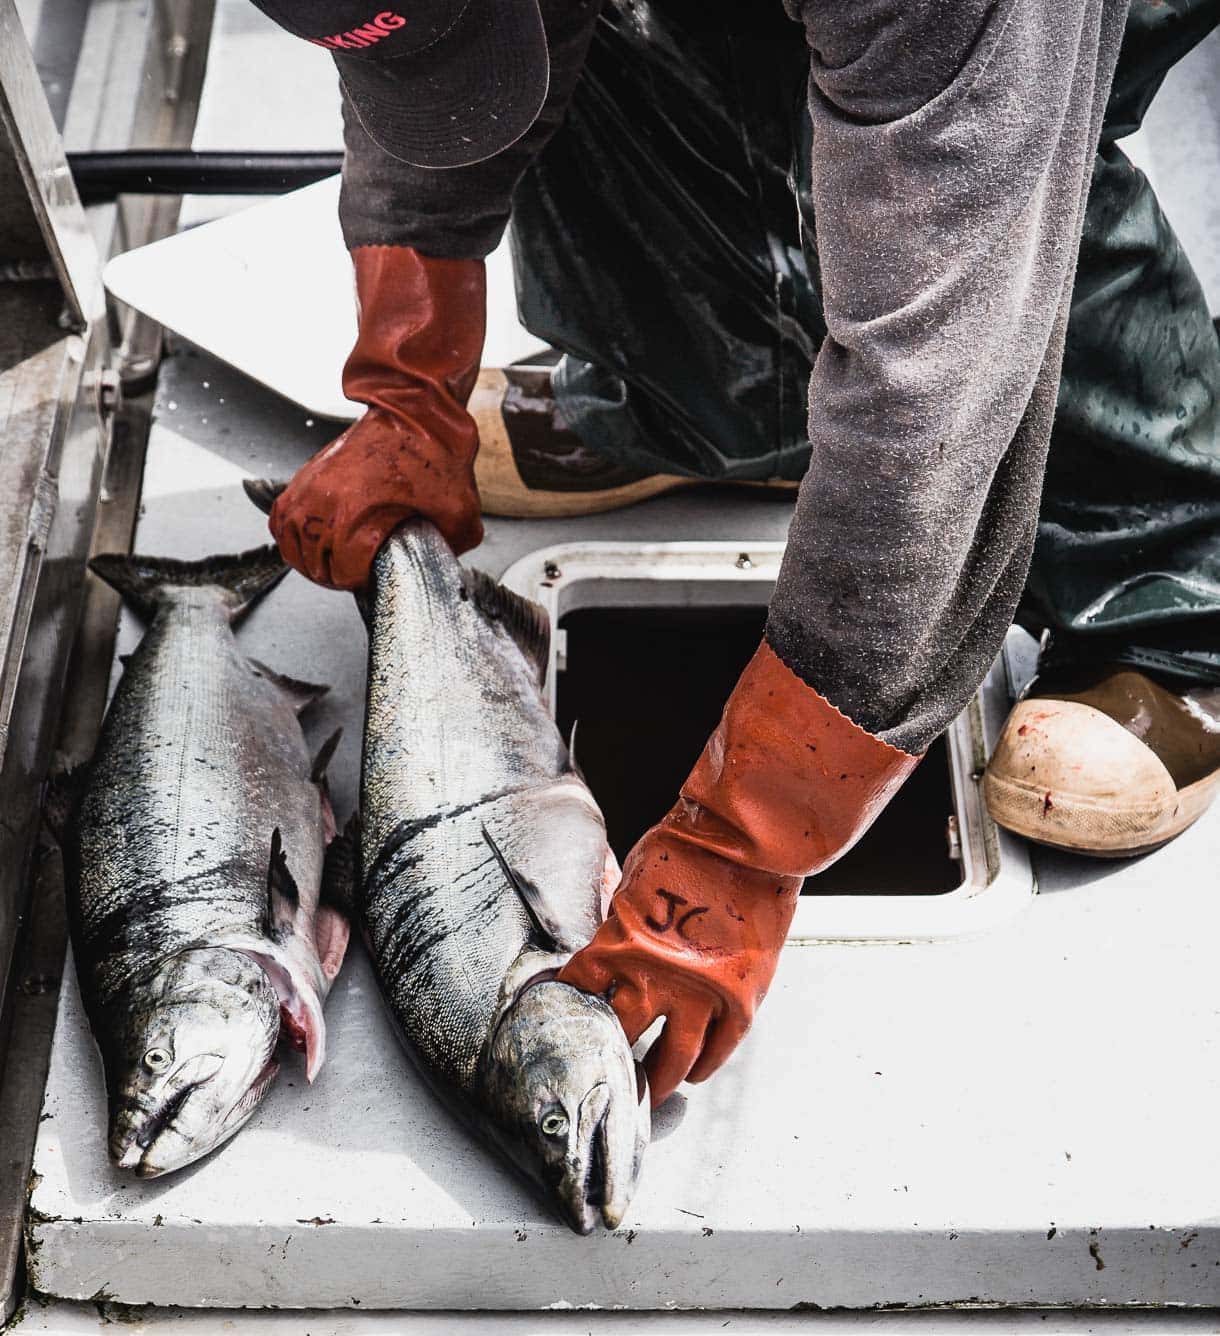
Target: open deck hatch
[(649, 639), (644, 687)]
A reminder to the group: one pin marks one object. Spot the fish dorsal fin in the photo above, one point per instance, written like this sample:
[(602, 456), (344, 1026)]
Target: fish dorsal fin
[(341, 871), (526, 622), (301, 694), (546, 932), (283, 895), (326, 754)]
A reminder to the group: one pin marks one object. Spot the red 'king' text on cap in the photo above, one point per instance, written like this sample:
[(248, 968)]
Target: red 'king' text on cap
[(366, 35)]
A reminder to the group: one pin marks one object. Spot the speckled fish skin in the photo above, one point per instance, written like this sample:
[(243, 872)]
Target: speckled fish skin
[(187, 959), (466, 789)]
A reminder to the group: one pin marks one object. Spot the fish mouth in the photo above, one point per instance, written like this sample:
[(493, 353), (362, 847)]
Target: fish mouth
[(595, 1180), (595, 1190), (131, 1144), (139, 1141), (132, 1140)]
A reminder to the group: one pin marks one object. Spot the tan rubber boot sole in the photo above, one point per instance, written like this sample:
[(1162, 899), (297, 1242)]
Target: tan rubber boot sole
[(1066, 775), (502, 491)]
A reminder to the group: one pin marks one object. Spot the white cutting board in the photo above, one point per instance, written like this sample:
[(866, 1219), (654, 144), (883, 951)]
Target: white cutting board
[(269, 290)]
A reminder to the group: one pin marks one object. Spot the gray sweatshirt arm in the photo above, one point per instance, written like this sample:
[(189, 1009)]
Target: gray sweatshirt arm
[(952, 145)]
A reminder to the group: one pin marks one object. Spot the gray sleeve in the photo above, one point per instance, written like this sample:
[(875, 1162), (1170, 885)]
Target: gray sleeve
[(458, 213), (952, 146)]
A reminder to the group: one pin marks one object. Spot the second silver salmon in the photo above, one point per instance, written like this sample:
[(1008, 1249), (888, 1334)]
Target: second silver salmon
[(482, 859)]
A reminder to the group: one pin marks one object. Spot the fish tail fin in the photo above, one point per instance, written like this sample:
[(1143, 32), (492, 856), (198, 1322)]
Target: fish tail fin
[(146, 583), (525, 621), (263, 492)]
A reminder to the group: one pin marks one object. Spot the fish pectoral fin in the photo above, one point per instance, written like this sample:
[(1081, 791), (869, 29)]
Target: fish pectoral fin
[(301, 695), (283, 894), (612, 875), (331, 932), (525, 621), (547, 934), (341, 870)]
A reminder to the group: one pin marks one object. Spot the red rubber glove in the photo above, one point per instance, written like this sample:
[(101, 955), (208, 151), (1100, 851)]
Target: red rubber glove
[(412, 453), (785, 786)]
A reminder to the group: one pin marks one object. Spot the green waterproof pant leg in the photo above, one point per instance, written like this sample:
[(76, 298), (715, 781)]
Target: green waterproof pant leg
[(657, 243), (1127, 562)]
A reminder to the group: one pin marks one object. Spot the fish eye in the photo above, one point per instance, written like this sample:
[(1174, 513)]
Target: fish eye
[(554, 1123), (157, 1059)]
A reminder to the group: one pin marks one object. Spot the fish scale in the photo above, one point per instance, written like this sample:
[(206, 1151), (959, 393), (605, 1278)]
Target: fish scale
[(454, 937), (199, 759)]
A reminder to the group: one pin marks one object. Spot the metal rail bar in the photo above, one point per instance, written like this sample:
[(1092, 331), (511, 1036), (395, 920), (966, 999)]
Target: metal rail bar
[(105, 176), (53, 354)]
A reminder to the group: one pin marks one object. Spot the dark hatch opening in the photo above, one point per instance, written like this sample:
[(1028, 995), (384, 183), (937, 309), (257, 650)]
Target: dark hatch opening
[(647, 685)]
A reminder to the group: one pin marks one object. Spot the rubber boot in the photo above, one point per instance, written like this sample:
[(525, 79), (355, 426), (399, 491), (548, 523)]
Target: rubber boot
[(1105, 761)]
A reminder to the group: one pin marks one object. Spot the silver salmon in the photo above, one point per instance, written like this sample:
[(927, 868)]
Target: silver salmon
[(195, 854), (482, 857)]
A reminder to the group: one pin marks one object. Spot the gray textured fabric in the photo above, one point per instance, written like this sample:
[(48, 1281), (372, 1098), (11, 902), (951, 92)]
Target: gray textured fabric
[(949, 191)]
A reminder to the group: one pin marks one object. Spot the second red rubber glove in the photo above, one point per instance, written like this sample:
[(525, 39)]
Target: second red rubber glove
[(414, 365), (785, 785)]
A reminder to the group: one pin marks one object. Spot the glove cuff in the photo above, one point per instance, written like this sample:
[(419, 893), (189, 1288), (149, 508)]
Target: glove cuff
[(787, 782), (422, 323)]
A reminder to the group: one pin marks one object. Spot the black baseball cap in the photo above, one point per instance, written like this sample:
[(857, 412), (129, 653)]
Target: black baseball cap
[(437, 83)]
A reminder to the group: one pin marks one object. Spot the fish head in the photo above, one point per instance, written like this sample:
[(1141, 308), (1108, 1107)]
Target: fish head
[(569, 1103), (190, 1058)]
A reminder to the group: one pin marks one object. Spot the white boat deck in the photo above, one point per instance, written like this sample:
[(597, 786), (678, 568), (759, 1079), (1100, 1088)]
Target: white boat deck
[(1024, 1117), (1021, 1117)]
